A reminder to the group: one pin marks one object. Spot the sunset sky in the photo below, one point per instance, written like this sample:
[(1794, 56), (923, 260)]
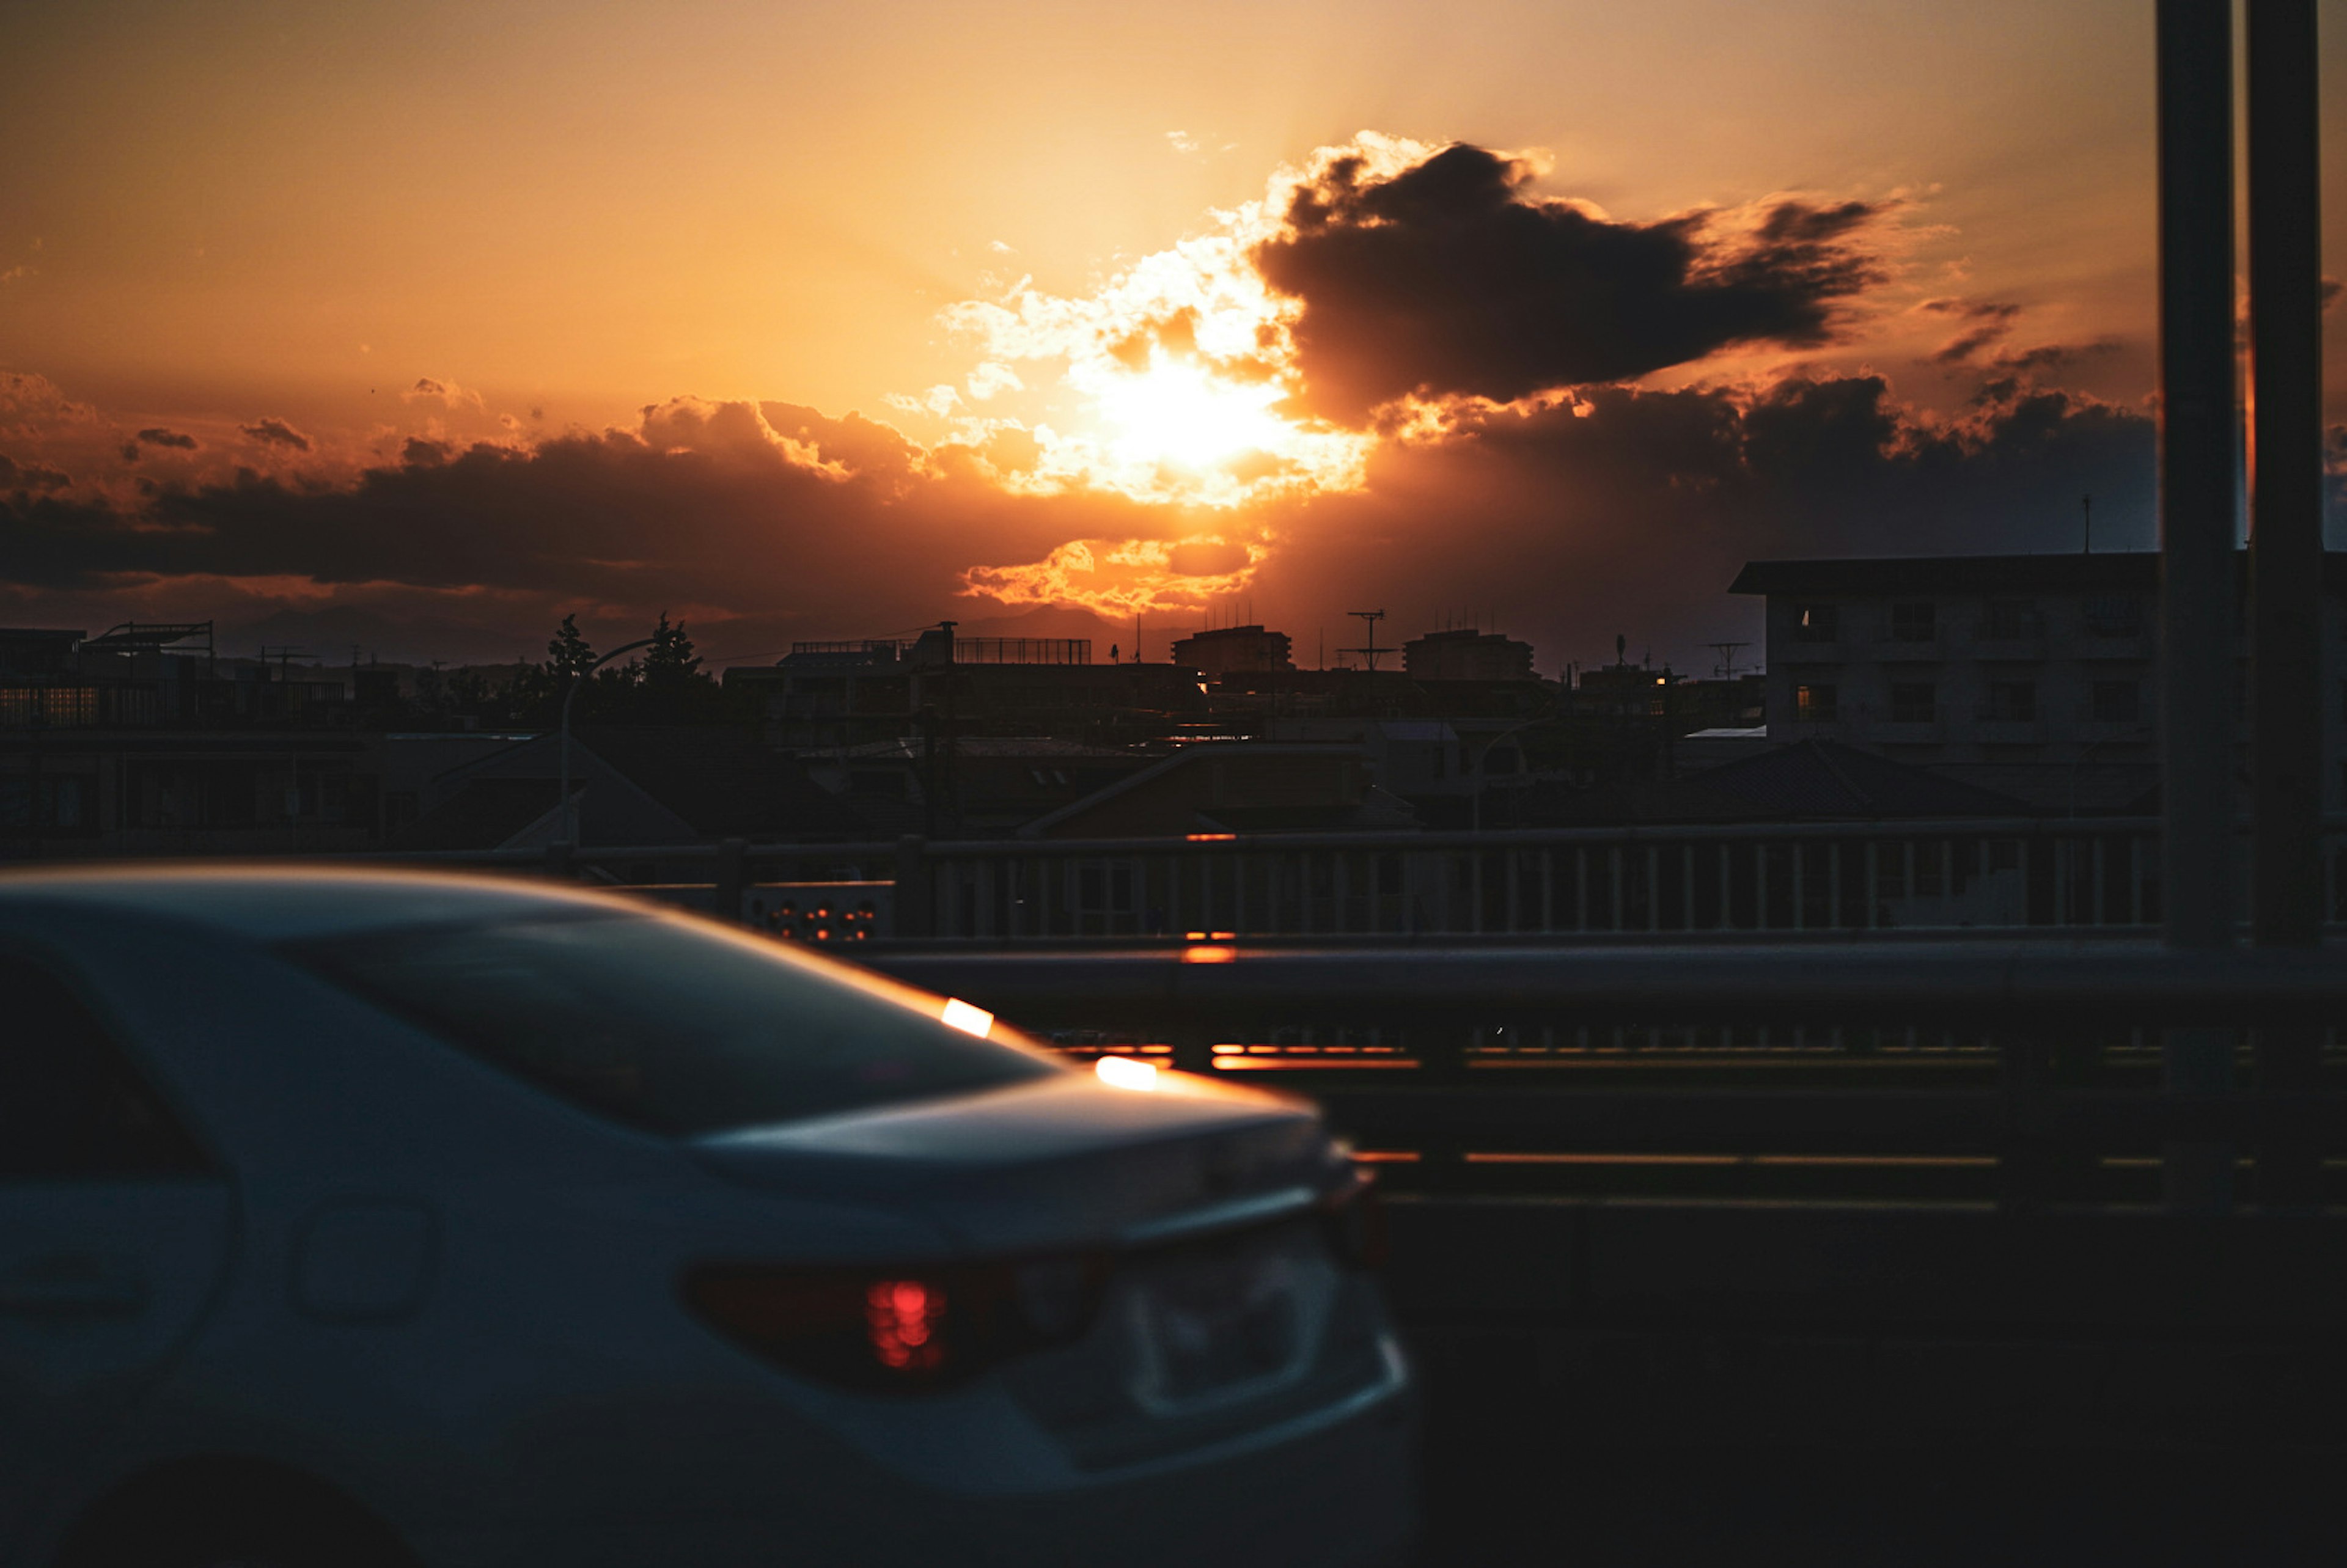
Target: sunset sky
[(416, 326)]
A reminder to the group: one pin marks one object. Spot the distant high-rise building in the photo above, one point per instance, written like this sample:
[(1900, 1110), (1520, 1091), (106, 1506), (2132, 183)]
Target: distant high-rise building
[(1234, 650), (1467, 654)]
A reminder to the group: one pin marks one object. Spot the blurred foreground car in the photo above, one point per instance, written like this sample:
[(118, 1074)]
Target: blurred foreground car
[(364, 1220)]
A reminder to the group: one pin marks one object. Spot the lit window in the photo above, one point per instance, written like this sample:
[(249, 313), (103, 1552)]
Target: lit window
[(1815, 704)]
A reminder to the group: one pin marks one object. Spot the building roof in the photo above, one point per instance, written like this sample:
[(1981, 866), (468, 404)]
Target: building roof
[(1273, 811), (720, 779), (911, 748), (1826, 779), (2118, 569), (2067, 789), (485, 815)]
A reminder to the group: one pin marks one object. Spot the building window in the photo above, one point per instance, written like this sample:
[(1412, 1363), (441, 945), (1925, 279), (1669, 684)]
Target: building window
[(1816, 623), (2011, 621), (2114, 615), (2116, 702), (2010, 702), (1815, 704), (1914, 623), (68, 803), (1915, 701)]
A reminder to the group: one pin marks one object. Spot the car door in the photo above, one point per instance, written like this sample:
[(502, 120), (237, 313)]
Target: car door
[(114, 1231)]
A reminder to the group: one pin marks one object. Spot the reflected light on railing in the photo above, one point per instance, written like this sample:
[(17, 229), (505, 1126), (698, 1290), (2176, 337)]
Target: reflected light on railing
[(960, 1015), (1125, 1072)]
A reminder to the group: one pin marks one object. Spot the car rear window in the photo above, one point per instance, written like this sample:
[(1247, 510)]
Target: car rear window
[(664, 1026)]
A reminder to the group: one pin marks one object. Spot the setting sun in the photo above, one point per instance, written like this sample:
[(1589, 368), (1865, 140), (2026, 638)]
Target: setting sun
[(1178, 413)]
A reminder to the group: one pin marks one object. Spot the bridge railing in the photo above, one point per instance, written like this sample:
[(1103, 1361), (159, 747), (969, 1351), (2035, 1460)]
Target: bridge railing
[(2060, 874), (2018, 1072)]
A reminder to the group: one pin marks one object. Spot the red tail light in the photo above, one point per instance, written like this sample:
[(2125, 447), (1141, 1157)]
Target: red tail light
[(906, 1321), (895, 1328)]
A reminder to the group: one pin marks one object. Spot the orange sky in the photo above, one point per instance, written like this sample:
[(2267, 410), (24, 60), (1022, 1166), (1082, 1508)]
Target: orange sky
[(557, 216)]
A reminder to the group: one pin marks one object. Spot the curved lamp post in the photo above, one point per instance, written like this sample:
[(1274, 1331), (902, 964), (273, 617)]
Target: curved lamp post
[(1483, 754), (570, 817)]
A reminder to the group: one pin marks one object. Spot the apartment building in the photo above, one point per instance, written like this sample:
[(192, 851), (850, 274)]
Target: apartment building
[(1977, 660)]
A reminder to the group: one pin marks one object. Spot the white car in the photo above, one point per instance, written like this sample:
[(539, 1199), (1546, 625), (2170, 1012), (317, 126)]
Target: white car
[(363, 1219)]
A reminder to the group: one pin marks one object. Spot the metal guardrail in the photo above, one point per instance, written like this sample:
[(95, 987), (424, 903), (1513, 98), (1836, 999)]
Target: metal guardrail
[(2004, 984), (2021, 1102), (2055, 874)]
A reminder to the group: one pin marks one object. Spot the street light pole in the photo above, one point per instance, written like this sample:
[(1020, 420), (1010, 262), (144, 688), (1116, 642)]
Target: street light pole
[(1482, 754), (579, 678)]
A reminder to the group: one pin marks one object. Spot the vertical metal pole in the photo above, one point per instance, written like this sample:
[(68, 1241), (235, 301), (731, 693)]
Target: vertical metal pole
[(730, 878), (2285, 267), (911, 903), (2196, 529)]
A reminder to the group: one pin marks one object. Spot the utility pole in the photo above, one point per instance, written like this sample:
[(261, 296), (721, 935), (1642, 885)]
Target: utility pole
[(2086, 510), (1369, 618), (2285, 487), (2196, 431)]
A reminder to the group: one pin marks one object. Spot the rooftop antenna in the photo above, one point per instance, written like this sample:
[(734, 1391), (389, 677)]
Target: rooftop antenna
[(1726, 669), (1370, 618)]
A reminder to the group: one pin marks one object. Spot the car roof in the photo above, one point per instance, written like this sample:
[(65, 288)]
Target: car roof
[(276, 904)]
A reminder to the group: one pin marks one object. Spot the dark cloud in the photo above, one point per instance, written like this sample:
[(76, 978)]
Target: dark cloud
[(2015, 367), (1448, 278), (276, 433), (1630, 510), (161, 438), (829, 527), (31, 476), (1983, 324), (1619, 509)]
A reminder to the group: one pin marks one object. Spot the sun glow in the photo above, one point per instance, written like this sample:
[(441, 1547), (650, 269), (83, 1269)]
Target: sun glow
[(1179, 413)]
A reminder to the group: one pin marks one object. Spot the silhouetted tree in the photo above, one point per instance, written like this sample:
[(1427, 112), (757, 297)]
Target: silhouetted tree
[(568, 655), (671, 662), (674, 690)]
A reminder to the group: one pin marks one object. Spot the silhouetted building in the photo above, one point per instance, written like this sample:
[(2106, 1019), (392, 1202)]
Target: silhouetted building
[(1466, 654), (1626, 689), (629, 786), (2017, 662), (37, 654), (1232, 649), (825, 696), (968, 786), (1234, 787)]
